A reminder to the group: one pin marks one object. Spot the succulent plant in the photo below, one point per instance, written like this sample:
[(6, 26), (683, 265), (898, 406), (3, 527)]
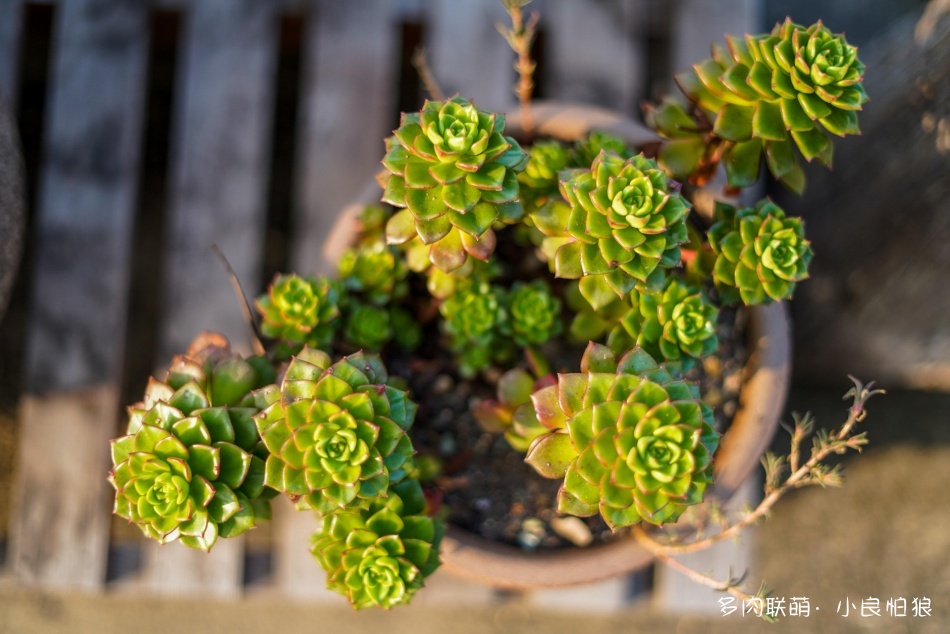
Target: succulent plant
[(534, 313), (299, 311), (455, 173), (368, 327), (630, 438), (336, 432), (587, 149), (190, 466), (381, 554), (677, 324), (761, 254), (539, 180), (624, 228), (473, 318), (375, 272), (772, 92), (513, 413)]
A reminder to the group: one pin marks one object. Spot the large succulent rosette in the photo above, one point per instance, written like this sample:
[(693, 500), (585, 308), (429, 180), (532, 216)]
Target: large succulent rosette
[(761, 254), (624, 228), (630, 438), (454, 172), (676, 324), (777, 91), (298, 311), (190, 467), (381, 554), (336, 432)]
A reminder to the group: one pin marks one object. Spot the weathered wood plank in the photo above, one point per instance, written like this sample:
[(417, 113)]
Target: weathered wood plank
[(347, 108), (10, 21), (467, 54), (85, 209), (221, 137), (593, 55), (221, 145)]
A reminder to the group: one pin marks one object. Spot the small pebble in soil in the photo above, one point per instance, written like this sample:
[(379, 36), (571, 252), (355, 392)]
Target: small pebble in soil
[(442, 384), (531, 533), (447, 444), (573, 529), (483, 504)]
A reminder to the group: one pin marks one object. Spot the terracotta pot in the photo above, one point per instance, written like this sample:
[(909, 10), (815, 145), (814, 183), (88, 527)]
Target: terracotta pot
[(761, 401)]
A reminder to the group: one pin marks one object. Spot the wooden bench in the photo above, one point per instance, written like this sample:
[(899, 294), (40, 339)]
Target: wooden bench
[(100, 206)]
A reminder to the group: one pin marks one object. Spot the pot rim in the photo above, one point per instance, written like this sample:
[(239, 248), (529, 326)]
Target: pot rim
[(766, 377)]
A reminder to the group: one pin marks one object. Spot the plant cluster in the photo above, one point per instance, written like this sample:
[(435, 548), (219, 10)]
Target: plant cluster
[(489, 249)]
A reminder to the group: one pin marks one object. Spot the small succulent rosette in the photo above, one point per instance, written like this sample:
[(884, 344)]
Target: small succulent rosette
[(454, 173), (299, 311), (771, 93), (512, 414), (761, 254), (473, 317), (623, 228), (630, 438), (533, 313), (675, 324), (190, 467), (374, 271), (336, 432), (380, 555)]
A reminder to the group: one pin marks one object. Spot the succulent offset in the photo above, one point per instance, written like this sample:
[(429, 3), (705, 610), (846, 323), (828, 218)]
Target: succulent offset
[(630, 438), (534, 313), (299, 311), (336, 432), (761, 254), (773, 92), (676, 324), (624, 228), (454, 172), (381, 554), (190, 466), (375, 272), (513, 412)]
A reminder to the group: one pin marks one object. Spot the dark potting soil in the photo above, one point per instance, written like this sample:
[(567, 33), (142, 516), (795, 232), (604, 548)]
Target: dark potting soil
[(486, 486)]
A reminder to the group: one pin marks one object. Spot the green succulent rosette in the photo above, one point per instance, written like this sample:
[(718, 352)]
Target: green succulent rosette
[(761, 254), (375, 271), (299, 311), (623, 230), (454, 173), (677, 324), (473, 317), (190, 467), (336, 433), (630, 438), (534, 313), (380, 555), (587, 149), (539, 180), (512, 414), (368, 327), (778, 91)]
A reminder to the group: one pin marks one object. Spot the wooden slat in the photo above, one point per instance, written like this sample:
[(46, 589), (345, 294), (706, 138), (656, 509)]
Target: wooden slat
[(10, 21), (467, 54), (86, 200), (593, 56), (219, 162), (223, 119), (346, 111)]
